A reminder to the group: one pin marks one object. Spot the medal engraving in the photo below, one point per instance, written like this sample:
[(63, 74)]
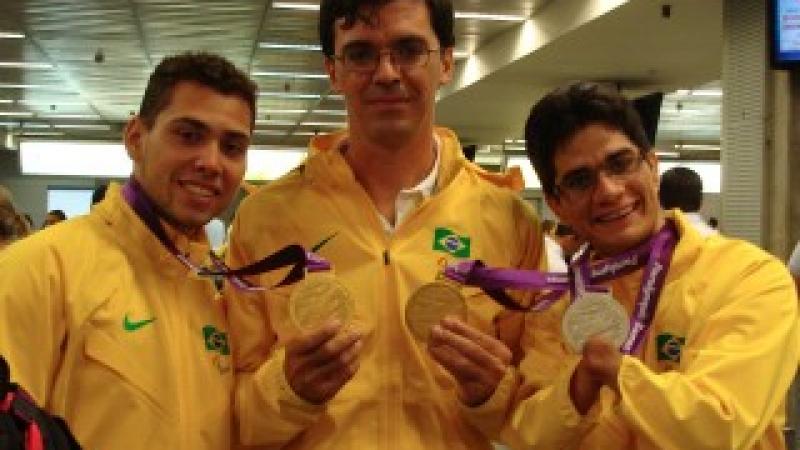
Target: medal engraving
[(317, 299), (431, 303), (592, 314)]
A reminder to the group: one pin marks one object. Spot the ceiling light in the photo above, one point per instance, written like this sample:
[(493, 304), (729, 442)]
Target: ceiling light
[(16, 114), (285, 111), (458, 54), (71, 116), (5, 101), (707, 92), (297, 6), (458, 14), (302, 47), (42, 133), (49, 103), (484, 16), (289, 95), (320, 76), (11, 35), (668, 154), (43, 87), (99, 127), (298, 95), (274, 122), (9, 124), (36, 125), (271, 132), (696, 147), (25, 65), (324, 124), (330, 112)]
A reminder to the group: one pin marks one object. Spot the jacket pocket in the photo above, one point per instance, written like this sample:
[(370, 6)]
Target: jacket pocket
[(138, 378)]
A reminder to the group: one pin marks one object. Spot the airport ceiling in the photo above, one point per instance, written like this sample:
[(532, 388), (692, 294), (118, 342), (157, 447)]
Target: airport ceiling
[(77, 69)]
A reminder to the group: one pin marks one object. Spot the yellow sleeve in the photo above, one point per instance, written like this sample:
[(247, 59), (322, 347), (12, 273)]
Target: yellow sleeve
[(32, 315), (736, 369), (268, 412)]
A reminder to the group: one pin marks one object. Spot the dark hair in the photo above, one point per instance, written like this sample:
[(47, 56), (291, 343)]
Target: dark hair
[(207, 69), (682, 188), (99, 193), (440, 12), (713, 222), (9, 230), (564, 112), (59, 213)]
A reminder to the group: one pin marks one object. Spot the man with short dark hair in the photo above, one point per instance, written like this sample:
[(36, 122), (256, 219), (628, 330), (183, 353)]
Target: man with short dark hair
[(682, 188), (388, 202), (670, 339), (103, 319)]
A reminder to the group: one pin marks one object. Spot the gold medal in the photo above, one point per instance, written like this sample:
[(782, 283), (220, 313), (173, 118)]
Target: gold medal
[(317, 299), (591, 314), (431, 303)]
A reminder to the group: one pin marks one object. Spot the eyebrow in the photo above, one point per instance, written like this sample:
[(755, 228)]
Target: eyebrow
[(614, 154), (199, 124)]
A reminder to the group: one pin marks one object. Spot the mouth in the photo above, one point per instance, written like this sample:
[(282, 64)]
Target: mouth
[(199, 189), (618, 214)]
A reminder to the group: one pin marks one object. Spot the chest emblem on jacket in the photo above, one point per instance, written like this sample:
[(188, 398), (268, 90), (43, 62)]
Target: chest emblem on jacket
[(446, 240), (216, 340), (669, 347), (131, 325)]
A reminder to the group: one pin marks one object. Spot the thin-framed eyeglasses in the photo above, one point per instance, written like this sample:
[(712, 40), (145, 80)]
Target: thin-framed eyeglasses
[(404, 54), (619, 165)]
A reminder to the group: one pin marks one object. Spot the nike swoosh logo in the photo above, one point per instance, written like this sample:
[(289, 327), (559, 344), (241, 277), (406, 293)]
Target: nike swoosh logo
[(129, 325), (323, 242)]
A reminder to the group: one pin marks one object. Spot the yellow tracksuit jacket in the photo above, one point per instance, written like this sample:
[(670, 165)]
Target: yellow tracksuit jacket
[(713, 372), (399, 398), (107, 329)]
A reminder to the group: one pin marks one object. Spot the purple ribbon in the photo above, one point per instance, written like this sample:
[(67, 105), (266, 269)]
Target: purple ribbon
[(292, 255), (655, 254)]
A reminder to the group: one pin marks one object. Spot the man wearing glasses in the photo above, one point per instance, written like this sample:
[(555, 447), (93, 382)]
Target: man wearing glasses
[(710, 331), (388, 202)]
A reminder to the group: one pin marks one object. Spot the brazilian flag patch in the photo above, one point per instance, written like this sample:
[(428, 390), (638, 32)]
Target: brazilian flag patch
[(669, 347), (445, 240)]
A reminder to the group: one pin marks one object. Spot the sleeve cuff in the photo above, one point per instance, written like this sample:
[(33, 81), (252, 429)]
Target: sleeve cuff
[(490, 416), (271, 379)]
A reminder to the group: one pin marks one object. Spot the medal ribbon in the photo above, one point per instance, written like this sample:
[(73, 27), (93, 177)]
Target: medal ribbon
[(292, 255), (655, 255)]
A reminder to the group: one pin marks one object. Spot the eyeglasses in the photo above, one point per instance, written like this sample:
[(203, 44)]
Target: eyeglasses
[(404, 54), (620, 165)]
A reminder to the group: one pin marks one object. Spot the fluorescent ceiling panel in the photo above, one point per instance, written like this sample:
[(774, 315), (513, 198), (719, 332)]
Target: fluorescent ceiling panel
[(25, 65), (458, 14)]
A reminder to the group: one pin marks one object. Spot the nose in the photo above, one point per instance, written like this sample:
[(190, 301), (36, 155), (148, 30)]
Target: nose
[(608, 185), (209, 158), (386, 72)]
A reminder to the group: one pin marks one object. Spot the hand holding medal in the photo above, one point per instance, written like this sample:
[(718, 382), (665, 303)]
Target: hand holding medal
[(431, 303), (324, 356)]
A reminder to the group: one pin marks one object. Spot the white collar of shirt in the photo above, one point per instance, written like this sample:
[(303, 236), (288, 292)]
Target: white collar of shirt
[(408, 199)]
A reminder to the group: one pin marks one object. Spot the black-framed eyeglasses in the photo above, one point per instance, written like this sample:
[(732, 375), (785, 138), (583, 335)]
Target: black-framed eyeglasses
[(620, 165), (404, 54)]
